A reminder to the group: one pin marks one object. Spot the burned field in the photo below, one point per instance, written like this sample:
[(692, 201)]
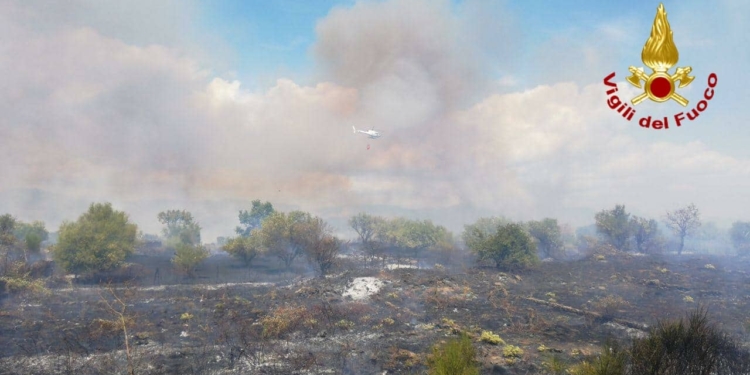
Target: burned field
[(364, 320)]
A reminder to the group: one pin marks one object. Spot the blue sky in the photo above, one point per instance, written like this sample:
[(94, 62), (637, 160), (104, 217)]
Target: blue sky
[(273, 38), (490, 108)]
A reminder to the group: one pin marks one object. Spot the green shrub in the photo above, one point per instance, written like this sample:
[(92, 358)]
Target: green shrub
[(345, 324), (688, 346), (611, 361), (555, 366), (609, 306), (244, 248), (509, 247), (740, 236), (456, 357), (17, 285), (512, 351), (491, 338), (99, 240), (188, 256)]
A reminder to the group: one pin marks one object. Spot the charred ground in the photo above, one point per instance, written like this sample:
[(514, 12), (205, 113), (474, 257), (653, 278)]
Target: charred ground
[(231, 321)]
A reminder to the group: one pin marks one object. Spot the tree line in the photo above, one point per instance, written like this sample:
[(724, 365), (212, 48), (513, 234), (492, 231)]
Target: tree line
[(102, 238)]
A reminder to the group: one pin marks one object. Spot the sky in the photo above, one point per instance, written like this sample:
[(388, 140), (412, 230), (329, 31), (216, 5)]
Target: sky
[(488, 108)]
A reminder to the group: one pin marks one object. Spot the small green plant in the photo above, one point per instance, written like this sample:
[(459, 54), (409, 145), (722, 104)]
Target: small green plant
[(491, 338), (456, 357), (542, 348), (609, 306), (345, 324), (688, 299), (611, 361), (600, 257), (512, 351), (388, 321), (552, 297), (450, 323), (555, 366), (186, 316), (14, 285)]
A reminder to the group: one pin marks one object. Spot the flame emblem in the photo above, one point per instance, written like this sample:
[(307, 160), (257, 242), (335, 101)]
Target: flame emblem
[(660, 54)]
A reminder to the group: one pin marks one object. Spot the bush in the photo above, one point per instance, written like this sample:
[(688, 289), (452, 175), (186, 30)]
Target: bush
[(646, 236), (99, 240), (187, 257), (548, 236), (456, 357), (282, 321), (491, 338), (512, 351), (509, 247), (244, 248), (609, 306), (740, 236), (611, 361), (688, 346), (614, 226), (18, 285), (555, 366)]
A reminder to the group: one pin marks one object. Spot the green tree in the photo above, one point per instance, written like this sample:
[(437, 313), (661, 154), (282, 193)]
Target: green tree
[(245, 248), (740, 236), (99, 240), (188, 256), (321, 246), (32, 234), (8, 240), (614, 226), (509, 247), (387, 237), (252, 220), (283, 235), (7, 229), (481, 229), (367, 227), (683, 222), (414, 236), (180, 227), (548, 236), (646, 235)]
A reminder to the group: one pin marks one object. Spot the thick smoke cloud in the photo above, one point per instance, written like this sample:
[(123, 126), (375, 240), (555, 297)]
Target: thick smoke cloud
[(93, 112)]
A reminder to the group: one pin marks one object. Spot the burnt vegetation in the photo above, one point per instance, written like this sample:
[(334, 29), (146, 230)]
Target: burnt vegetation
[(287, 295)]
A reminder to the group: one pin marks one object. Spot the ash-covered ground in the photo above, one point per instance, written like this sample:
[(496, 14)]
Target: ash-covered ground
[(360, 320)]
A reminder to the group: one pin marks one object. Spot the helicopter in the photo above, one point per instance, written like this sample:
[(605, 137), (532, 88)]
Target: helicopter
[(372, 133)]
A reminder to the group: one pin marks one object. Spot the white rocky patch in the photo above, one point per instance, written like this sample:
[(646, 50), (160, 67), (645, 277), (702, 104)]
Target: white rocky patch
[(363, 287), (397, 266)]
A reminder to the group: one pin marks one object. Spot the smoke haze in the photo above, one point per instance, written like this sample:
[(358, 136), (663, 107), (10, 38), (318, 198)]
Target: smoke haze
[(132, 106)]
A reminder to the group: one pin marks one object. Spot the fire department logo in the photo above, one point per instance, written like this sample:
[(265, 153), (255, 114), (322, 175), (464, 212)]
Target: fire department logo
[(660, 54)]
